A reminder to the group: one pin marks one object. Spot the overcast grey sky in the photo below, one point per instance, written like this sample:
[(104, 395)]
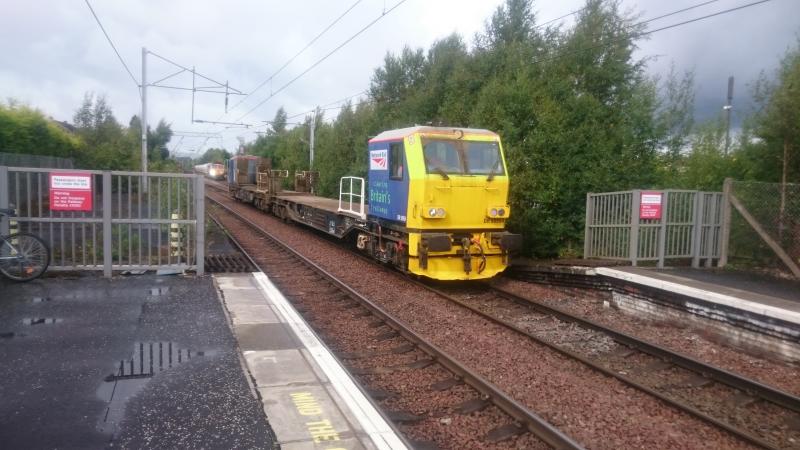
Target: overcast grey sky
[(53, 51)]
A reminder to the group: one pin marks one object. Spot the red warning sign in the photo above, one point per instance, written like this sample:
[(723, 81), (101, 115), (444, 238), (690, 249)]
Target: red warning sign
[(650, 205), (70, 191)]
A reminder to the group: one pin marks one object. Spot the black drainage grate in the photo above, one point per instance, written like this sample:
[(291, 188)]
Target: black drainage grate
[(228, 263)]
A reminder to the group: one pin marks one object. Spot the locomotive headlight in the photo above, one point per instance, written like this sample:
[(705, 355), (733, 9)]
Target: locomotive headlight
[(498, 212), (435, 212)]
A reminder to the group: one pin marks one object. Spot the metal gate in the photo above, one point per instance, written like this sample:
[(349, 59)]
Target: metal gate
[(137, 221), (689, 227)]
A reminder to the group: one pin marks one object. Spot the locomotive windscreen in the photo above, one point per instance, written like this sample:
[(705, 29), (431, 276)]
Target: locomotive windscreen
[(461, 157)]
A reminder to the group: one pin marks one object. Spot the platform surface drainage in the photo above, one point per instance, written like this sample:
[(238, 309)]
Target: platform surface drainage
[(156, 291), (31, 321), (227, 263)]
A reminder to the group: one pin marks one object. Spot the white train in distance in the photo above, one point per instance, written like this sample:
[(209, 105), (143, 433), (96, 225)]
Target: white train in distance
[(214, 171)]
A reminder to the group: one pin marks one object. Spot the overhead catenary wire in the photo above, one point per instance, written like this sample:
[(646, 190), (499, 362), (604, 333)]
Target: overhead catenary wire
[(567, 53), (678, 11), (559, 18), (346, 98), (108, 38), (324, 107), (319, 61), (652, 19), (186, 69), (290, 60), (647, 32)]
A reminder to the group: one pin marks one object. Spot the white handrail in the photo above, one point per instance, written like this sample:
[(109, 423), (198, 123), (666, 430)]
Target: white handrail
[(350, 196)]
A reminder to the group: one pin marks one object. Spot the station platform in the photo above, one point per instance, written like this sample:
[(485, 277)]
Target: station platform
[(142, 361), (309, 399), (772, 298), (756, 312)]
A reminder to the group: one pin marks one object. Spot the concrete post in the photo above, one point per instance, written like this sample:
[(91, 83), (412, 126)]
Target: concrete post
[(107, 233), (200, 228), (587, 234), (144, 120), (636, 199), (697, 227), (662, 231), (3, 198), (710, 236), (725, 228)]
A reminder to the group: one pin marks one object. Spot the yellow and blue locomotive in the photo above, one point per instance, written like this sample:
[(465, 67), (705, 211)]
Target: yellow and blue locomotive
[(437, 203)]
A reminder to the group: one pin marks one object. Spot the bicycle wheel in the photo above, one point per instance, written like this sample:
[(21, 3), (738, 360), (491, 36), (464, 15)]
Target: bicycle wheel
[(23, 256)]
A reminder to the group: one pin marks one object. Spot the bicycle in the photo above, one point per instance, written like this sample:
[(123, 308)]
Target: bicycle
[(23, 256)]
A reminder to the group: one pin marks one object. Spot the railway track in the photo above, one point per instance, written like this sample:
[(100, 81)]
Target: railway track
[(756, 413), (388, 356)]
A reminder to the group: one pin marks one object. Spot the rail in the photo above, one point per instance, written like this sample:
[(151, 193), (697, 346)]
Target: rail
[(519, 412), (767, 393)]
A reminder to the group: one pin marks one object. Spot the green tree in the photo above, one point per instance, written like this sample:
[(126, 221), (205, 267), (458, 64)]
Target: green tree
[(575, 109), (675, 122), (279, 122), (707, 165), (512, 22), (157, 139), (26, 130), (106, 145), (577, 118), (213, 155), (776, 123)]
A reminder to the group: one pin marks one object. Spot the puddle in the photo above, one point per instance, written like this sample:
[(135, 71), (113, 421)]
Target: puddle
[(7, 335), (159, 290), (41, 321), (41, 299), (131, 375)]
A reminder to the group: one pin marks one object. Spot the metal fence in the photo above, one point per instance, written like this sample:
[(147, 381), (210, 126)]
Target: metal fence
[(688, 227), (764, 225), (136, 222)]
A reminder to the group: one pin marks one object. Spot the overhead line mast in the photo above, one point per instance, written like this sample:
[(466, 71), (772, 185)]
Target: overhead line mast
[(216, 87)]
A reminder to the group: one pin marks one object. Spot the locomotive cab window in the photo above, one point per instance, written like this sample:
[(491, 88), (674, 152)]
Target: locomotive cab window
[(441, 156), (461, 157), (396, 161), (483, 158)]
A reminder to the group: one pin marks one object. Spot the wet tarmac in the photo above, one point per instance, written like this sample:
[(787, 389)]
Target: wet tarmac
[(135, 362)]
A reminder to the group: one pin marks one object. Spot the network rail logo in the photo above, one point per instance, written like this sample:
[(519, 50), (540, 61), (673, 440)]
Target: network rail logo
[(378, 160)]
